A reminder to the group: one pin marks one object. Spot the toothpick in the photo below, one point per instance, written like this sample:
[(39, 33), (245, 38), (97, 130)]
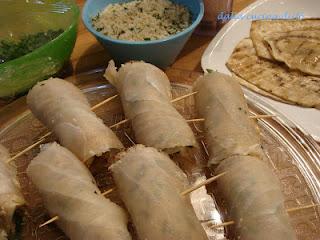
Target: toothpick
[(174, 100), (205, 148), (104, 102), (288, 211), (252, 117), (130, 139), (45, 136), (262, 116), (107, 192), (196, 120), (209, 180), (26, 150), (302, 207), (183, 97), (42, 138), (223, 224), (119, 123), (55, 218)]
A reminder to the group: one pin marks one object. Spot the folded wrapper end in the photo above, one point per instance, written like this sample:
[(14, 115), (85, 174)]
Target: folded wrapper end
[(111, 73)]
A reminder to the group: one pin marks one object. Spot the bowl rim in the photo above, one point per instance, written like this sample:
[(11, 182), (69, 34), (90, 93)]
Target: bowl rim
[(92, 30), (74, 23)]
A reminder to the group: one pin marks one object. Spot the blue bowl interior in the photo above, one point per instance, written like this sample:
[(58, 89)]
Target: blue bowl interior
[(93, 7)]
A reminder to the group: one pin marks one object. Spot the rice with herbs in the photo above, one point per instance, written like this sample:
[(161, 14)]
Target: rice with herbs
[(142, 20)]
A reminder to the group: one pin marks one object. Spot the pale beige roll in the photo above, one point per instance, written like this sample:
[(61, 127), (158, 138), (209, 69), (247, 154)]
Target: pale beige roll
[(150, 184), (63, 108), (10, 195), (254, 200), (229, 130), (69, 192), (146, 99)]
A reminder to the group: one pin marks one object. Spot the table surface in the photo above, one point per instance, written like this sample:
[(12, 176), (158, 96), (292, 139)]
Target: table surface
[(88, 54)]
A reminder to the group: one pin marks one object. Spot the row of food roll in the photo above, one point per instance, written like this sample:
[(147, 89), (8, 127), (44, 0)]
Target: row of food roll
[(148, 181), (250, 189)]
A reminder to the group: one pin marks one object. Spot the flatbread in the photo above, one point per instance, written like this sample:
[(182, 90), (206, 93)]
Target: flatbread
[(254, 88), (274, 78), (297, 49), (264, 28)]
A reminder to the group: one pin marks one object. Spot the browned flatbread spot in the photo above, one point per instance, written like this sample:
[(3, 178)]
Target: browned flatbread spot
[(254, 88)]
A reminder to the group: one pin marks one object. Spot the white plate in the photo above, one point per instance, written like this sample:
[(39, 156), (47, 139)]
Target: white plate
[(221, 47)]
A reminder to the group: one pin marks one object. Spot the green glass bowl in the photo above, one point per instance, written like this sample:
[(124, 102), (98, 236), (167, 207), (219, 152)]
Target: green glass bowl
[(20, 74)]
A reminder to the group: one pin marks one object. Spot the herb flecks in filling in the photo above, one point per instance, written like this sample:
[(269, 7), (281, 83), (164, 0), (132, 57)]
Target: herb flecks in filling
[(142, 20)]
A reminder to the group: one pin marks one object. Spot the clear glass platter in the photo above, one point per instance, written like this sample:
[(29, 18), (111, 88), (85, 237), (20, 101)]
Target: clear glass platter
[(292, 154)]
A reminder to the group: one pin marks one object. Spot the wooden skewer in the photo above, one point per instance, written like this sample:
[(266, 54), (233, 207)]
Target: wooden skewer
[(209, 180), (107, 192), (196, 120), (262, 116), (129, 138), (55, 218), (214, 226), (223, 224), (205, 148), (119, 123), (174, 100), (42, 138), (45, 136), (252, 117), (302, 207), (183, 97), (104, 102), (288, 211), (25, 150)]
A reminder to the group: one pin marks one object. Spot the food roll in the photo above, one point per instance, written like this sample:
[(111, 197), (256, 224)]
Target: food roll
[(63, 108), (11, 198), (254, 200), (69, 192), (228, 128), (145, 93), (250, 191), (150, 184)]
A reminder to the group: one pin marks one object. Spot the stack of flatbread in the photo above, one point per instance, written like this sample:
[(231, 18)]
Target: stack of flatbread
[(281, 59)]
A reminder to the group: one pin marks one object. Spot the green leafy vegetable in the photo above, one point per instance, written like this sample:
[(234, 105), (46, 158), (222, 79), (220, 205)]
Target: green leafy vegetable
[(10, 50)]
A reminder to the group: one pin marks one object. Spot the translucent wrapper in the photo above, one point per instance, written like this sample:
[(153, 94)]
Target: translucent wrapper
[(69, 191), (229, 131), (10, 195), (150, 184), (65, 110), (145, 95), (292, 155), (254, 200)]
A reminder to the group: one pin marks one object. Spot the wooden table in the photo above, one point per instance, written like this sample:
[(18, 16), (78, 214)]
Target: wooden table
[(89, 54)]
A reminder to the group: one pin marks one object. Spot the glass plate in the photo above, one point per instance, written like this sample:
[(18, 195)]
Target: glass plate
[(292, 154)]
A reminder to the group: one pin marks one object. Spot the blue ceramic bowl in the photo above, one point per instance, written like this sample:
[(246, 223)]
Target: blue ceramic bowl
[(160, 52)]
